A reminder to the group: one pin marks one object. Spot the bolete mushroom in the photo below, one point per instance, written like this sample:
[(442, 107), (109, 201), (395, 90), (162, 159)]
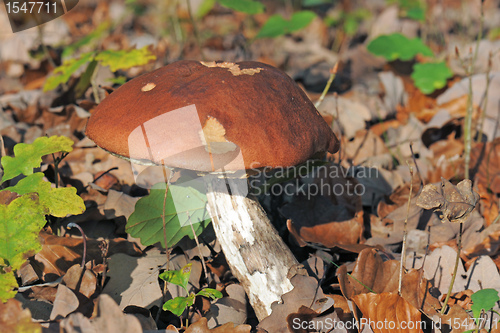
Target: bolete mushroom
[(221, 117)]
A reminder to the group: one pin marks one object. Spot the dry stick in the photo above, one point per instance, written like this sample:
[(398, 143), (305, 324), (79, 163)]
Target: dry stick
[(459, 248), (198, 246), (405, 233), (468, 117), (333, 73), (74, 225), (484, 102)]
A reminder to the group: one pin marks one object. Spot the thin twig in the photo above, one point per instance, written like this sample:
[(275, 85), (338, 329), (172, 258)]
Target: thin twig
[(333, 73), (457, 261), (198, 246), (405, 233), (74, 225)]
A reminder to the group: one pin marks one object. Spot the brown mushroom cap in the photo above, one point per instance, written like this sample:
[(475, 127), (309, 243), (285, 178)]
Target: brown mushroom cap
[(247, 107)]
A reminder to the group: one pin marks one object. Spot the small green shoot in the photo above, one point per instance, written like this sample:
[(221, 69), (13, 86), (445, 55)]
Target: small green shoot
[(483, 300), (181, 278), (244, 6), (429, 77), (398, 47), (23, 206), (116, 60)]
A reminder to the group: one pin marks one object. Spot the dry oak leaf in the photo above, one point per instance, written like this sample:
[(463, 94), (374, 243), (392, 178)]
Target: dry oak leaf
[(13, 318), (370, 272), (109, 319), (454, 202), (201, 327), (306, 292), (487, 160), (416, 290), (58, 254), (388, 313), (326, 218)]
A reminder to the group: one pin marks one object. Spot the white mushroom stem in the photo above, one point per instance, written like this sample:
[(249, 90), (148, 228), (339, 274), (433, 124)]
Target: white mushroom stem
[(255, 253)]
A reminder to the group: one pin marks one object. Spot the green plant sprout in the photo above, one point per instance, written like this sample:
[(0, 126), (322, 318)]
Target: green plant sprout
[(115, 60), (412, 9), (428, 76), (275, 26), (181, 278), (23, 207), (483, 301)]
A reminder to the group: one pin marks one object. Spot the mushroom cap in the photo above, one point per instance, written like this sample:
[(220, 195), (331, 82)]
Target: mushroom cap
[(208, 116)]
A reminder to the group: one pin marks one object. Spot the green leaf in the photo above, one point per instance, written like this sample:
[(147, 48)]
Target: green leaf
[(311, 3), (85, 79), (29, 156), (179, 304), (484, 299), (179, 277), (417, 14), (62, 73), (146, 221), (22, 220), (120, 80), (98, 32), (124, 59), (245, 6), (209, 293), (276, 25), (430, 76), (59, 201), (397, 46), (7, 282), (204, 8)]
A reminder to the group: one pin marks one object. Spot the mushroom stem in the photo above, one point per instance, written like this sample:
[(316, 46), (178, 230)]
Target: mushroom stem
[(255, 253)]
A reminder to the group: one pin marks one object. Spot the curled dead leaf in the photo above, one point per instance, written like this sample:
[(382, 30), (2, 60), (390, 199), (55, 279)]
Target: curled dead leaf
[(371, 274), (455, 202), (388, 313)]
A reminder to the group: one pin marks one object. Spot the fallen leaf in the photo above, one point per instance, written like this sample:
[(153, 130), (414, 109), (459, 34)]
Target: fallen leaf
[(455, 202), (371, 274), (58, 254), (457, 320), (487, 161), (305, 293), (416, 290), (13, 318), (65, 303), (81, 280), (109, 319), (388, 312), (232, 308), (489, 205), (330, 216), (201, 327), (134, 281)]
